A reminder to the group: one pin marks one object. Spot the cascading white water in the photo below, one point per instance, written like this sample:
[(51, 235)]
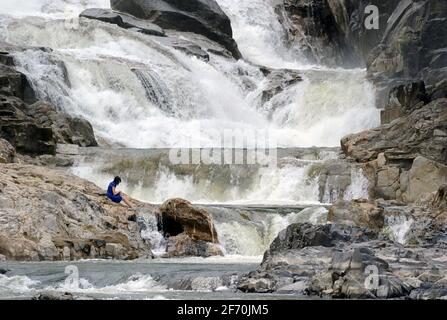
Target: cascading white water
[(260, 36), (251, 239), (106, 67), (49, 8), (287, 185)]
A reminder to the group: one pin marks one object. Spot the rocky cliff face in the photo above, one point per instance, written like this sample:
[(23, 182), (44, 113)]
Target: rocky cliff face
[(31, 126), (406, 60), (409, 45), (333, 31)]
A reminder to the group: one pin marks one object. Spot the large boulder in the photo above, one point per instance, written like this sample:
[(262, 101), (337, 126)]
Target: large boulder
[(178, 216), (46, 214), (190, 230), (424, 177), (66, 129), (14, 83), (22, 131), (302, 235), (360, 213), (203, 17), (183, 245)]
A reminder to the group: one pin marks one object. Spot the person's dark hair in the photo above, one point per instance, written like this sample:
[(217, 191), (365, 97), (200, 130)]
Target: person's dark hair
[(117, 180)]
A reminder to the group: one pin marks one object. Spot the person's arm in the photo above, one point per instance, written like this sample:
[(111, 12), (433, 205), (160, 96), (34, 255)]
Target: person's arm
[(115, 192)]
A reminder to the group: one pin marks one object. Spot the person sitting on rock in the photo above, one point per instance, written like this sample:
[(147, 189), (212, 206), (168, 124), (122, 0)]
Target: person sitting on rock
[(115, 195)]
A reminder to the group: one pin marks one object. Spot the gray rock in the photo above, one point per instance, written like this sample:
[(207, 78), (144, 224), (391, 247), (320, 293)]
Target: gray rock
[(22, 131), (7, 152), (14, 83), (203, 17), (123, 20), (185, 46), (404, 139), (67, 129), (429, 292), (360, 213), (404, 99), (424, 177), (278, 80), (388, 182), (347, 265), (183, 245), (35, 129), (299, 287), (261, 285), (54, 296)]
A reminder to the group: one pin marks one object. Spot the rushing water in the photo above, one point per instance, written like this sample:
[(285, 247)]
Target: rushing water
[(174, 279), (102, 72), (139, 92)]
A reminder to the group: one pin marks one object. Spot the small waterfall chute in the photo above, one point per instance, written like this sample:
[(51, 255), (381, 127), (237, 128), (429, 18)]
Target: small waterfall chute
[(156, 90)]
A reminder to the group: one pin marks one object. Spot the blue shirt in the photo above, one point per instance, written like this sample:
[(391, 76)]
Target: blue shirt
[(110, 189)]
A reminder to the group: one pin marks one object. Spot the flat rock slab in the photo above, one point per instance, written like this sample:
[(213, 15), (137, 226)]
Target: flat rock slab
[(123, 20)]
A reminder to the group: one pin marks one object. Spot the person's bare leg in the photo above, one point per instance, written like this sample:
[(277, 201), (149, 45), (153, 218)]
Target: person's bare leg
[(127, 201)]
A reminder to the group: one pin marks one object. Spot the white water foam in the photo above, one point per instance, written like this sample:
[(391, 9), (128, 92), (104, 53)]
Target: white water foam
[(17, 284), (259, 34), (54, 9), (358, 189), (134, 284), (287, 185), (250, 239), (399, 226)]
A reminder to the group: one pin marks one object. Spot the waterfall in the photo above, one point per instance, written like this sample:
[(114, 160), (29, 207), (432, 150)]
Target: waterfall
[(259, 34), (155, 96)]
